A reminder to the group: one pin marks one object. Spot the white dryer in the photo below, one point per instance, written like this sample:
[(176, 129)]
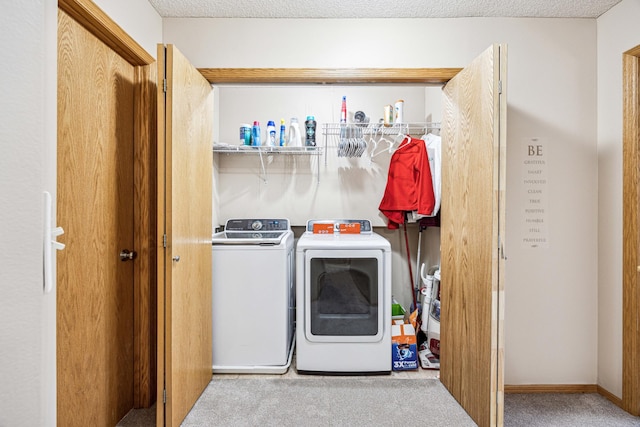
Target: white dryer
[(253, 296), (343, 299)]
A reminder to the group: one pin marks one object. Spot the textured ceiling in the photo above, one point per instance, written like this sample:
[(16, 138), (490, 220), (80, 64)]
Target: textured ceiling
[(382, 8)]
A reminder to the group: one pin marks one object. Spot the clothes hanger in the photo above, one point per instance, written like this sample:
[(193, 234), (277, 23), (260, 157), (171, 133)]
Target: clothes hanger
[(405, 133), (431, 129), (406, 140), (373, 142), (380, 130)]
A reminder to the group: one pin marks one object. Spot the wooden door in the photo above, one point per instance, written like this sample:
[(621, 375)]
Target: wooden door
[(631, 232), (472, 230), (185, 167), (95, 208)]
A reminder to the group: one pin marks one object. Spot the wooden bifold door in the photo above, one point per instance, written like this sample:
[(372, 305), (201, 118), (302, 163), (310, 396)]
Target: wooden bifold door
[(472, 232), (473, 213), (185, 175)]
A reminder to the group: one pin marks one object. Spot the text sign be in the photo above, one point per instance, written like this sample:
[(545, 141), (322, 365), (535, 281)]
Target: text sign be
[(535, 150)]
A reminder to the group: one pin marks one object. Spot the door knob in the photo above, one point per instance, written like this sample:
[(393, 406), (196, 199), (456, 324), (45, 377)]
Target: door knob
[(176, 258), (127, 255)]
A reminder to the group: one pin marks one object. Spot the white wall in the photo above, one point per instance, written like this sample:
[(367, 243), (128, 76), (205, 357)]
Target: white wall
[(617, 33), (27, 134), (138, 18), (551, 293), (27, 168), (302, 187), (323, 185)]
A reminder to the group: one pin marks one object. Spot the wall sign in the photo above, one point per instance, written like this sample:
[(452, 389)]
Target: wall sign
[(535, 179)]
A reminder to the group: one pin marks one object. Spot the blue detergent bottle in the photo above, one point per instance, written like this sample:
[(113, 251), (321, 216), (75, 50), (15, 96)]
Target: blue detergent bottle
[(310, 132), (255, 134)]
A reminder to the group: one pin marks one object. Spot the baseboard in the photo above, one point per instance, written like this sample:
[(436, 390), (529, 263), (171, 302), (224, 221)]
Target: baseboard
[(551, 388), (610, 396), (564, 388)]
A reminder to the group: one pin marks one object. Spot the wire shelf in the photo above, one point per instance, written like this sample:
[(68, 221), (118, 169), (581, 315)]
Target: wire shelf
[(265, 150), (353, 139), (372, 129), (248, 149)]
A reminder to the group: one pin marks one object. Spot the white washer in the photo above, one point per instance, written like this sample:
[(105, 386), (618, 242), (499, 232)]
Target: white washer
[(253, 296), (343, 299)]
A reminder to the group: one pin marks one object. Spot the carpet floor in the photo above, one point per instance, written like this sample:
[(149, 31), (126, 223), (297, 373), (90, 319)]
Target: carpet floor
[(327, 401), (396, 400), (561, 409)]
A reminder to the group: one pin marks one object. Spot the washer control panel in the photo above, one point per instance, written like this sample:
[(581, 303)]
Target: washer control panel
[(257, 225)]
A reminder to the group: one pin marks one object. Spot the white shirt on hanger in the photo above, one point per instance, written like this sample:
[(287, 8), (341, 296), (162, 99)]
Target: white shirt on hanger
[(433, 144)]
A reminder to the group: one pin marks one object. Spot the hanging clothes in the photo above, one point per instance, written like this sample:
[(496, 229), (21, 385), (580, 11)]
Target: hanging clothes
[(434, 152), (409, 183)]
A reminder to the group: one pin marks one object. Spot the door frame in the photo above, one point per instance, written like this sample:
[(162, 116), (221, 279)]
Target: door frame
[(98, 23), (631, 231), (420, 76), (328, 75)]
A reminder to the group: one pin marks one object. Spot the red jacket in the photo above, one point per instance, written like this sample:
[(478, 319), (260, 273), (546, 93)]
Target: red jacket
[(409, 185)]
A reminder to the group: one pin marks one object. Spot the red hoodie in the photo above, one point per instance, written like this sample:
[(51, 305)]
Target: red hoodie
[(409, 184)]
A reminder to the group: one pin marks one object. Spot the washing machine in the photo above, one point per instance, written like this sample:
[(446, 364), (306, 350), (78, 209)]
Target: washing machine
[(343, 299), (253, 295)]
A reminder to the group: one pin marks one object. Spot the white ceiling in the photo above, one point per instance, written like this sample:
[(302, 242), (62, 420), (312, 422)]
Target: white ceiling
[(382, 8)]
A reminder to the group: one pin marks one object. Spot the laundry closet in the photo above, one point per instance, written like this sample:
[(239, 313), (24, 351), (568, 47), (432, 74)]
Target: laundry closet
[(323, 183)]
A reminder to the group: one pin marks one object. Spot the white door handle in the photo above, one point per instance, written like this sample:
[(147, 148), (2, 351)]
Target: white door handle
[(49, 243)]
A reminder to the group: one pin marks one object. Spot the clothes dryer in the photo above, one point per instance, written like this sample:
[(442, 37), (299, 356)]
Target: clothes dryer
[(343, 299)]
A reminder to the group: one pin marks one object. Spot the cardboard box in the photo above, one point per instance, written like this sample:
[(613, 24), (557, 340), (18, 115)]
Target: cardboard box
[(404, 348), (397, 313)]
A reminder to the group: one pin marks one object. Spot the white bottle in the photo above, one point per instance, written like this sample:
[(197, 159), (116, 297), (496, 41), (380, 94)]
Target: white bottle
[(271, 134), (398, 111), (295, 138)]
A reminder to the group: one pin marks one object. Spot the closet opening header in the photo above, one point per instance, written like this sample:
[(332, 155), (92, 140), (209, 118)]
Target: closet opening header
[(329, 75)]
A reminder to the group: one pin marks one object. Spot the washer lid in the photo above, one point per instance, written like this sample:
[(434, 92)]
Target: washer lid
[(258, 224), (249, 237)]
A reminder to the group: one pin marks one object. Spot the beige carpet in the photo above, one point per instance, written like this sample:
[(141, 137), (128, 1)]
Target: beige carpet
[(327, 401), (566, 410), (414, 398)]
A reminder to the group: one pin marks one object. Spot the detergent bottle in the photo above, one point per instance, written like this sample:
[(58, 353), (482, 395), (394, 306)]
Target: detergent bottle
[(255, 134), (295, 138), (271, 133), (282, 133), (310, 132)]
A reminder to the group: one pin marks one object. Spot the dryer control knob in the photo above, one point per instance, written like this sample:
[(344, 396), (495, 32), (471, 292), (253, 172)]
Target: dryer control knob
[(256, 225)]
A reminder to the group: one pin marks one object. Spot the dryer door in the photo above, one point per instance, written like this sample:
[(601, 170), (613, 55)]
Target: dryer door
[(343, 295)]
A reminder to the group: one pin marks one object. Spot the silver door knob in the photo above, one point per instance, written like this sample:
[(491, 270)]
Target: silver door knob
[(176, 258), (127, 255)]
